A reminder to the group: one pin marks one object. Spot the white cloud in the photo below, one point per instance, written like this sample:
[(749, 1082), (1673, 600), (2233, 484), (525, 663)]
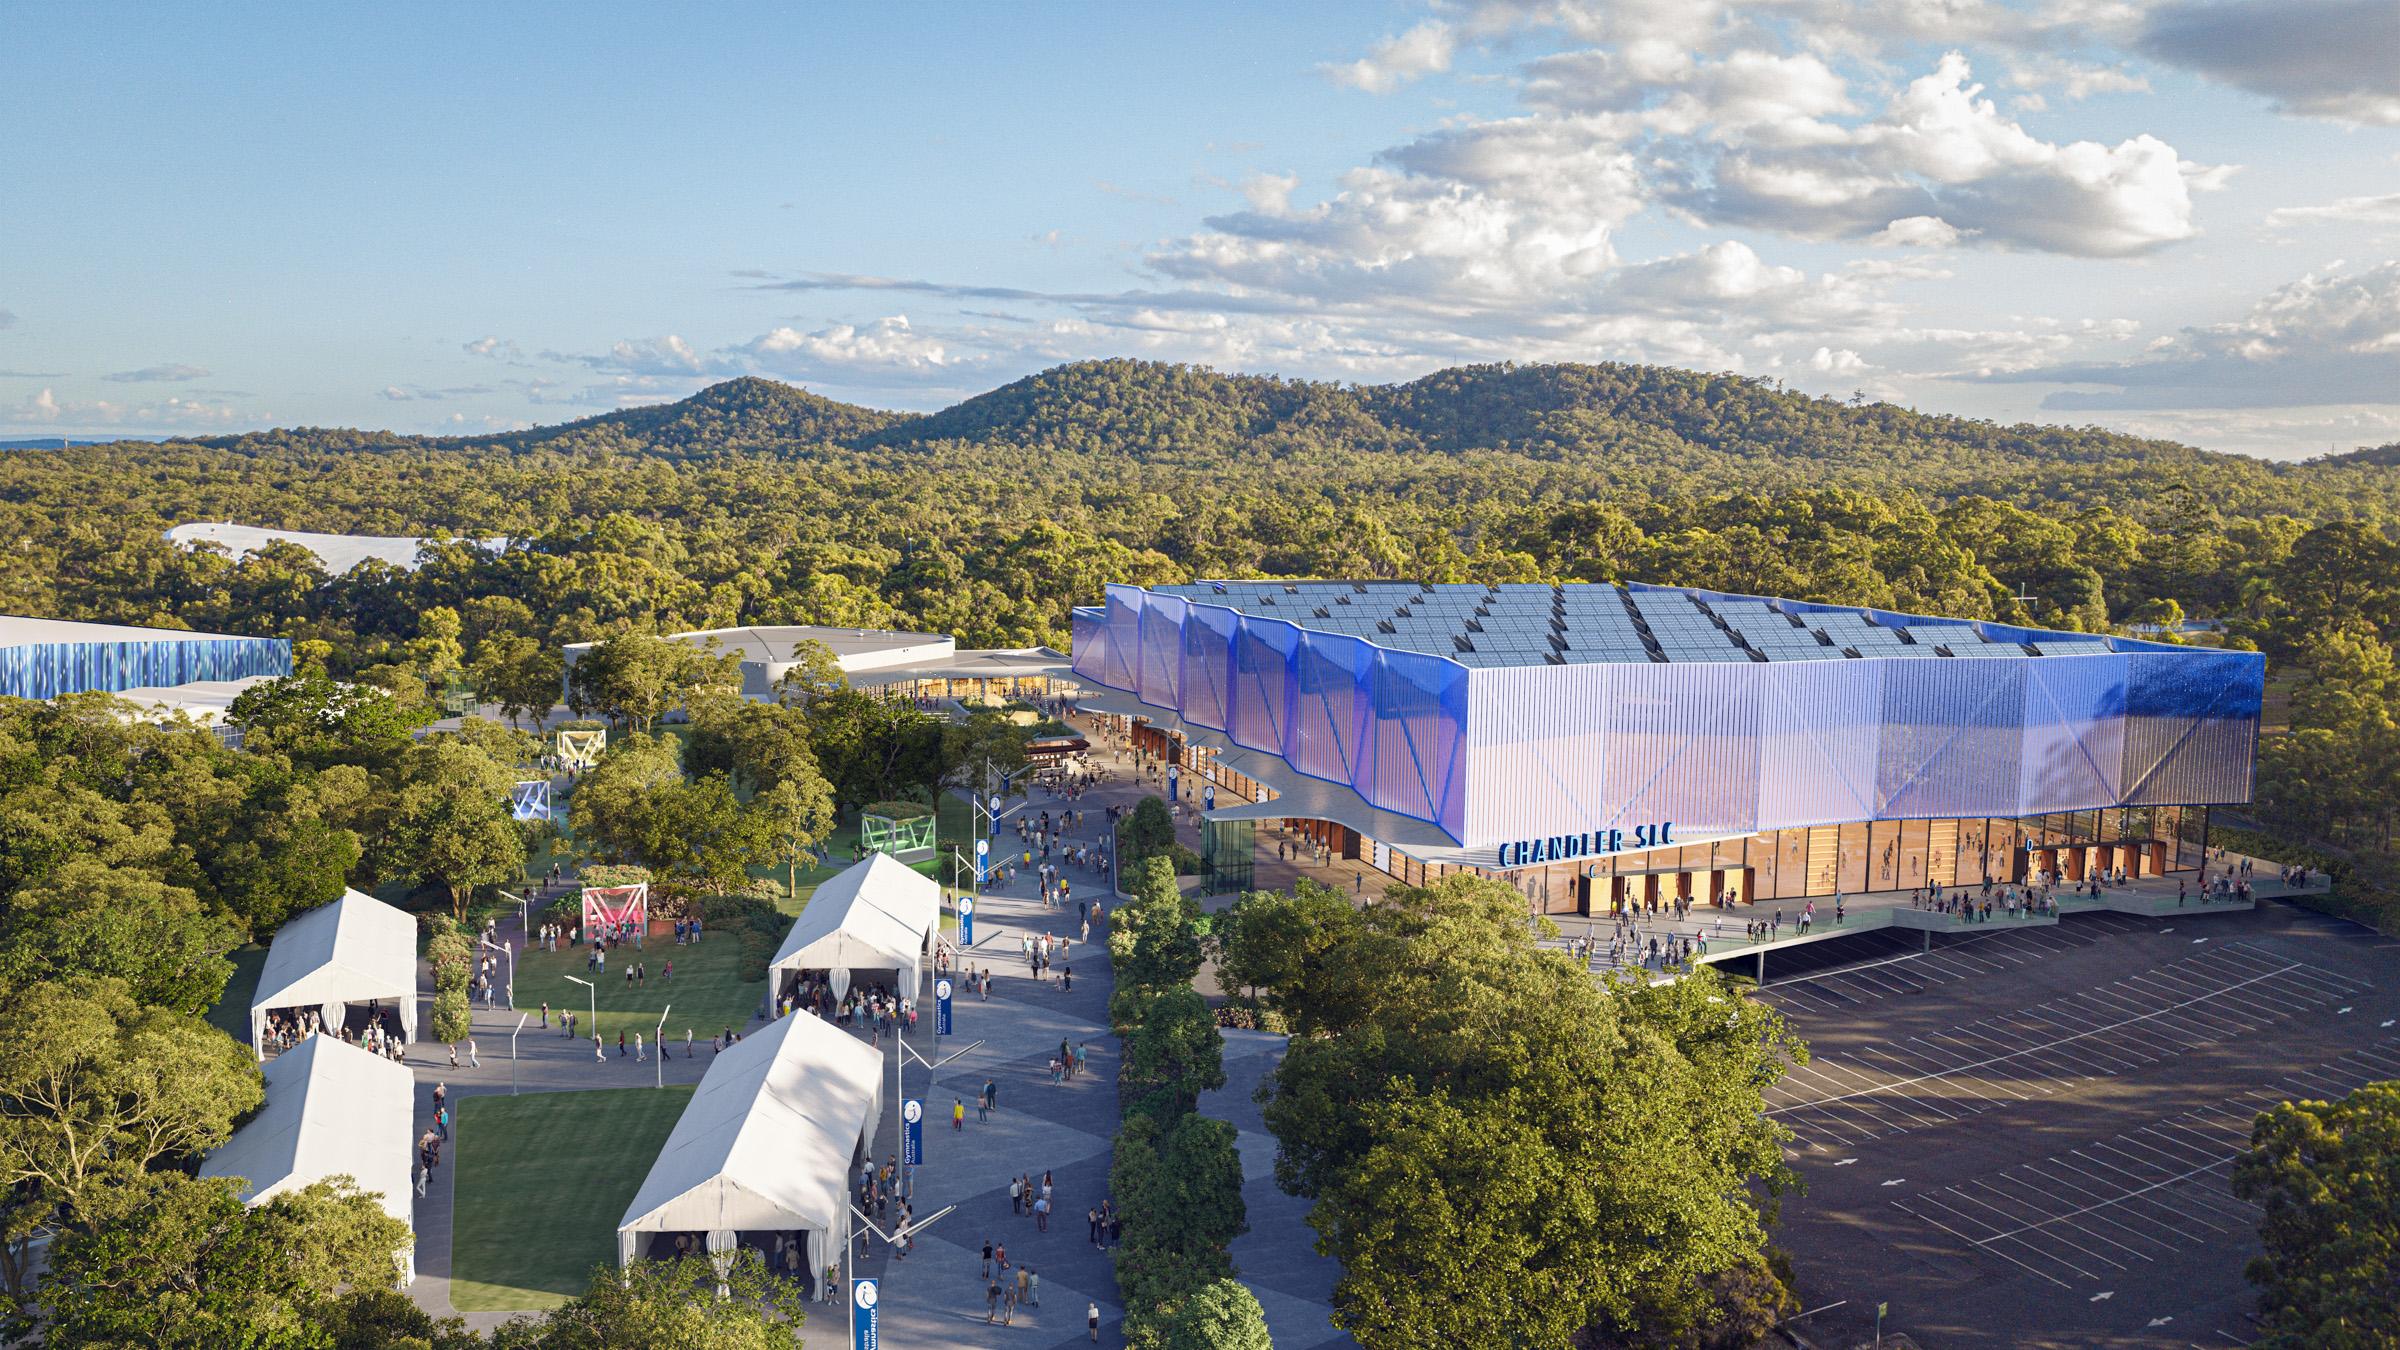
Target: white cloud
[(166, 374), (1917, 232), (1837, 362), (496, 348), (887, 343), (2327, 339), (1395, 61), (2335, 59), (2383, 210), (168, 414)]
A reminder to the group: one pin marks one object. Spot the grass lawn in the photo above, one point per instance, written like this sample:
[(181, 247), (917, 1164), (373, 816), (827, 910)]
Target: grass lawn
[(706, 992), (542, 1180), (232, 1013)]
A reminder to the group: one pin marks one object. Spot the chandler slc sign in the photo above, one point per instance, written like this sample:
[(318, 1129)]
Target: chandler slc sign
[(1560, 847)]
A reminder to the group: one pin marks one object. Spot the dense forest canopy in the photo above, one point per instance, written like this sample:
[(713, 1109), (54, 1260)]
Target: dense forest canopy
[(756, 502)]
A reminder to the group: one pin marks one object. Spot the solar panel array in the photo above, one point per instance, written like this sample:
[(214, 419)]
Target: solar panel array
[(1522, 624)]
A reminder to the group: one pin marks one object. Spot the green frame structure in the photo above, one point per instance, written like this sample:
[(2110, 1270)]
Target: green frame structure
[(906, 838)]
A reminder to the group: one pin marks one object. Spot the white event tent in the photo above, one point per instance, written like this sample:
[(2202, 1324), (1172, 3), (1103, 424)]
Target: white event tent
[(355, 950), (331, 1110), (880, 914), (766, 1145)]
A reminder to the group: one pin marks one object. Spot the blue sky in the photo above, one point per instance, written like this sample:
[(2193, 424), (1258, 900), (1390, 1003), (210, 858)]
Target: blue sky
[(2178, 217)]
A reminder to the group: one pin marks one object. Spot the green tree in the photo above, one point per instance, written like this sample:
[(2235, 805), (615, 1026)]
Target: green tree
[(636, 678), (814, 673), (1270, 939), (798, 817), (2327, 1177), (185, 1265), (436, 652), (520, 674), (1499, 1148), (1223, 1315), (92, 919), (95, 1091), (450, 824), (670, 1304), (1153, 938), (756, 744), (874, 749), (317, 721)]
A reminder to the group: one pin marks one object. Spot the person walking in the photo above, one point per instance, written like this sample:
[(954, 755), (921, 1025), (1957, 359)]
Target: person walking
[(991, 1301), (958, 1115), (473, 1062), (620, 1043), (1033, 1287), (987, 1257), (1091, 1319)]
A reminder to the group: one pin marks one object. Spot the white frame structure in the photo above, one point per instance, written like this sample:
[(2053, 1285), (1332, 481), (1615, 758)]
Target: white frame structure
[(355, 950)]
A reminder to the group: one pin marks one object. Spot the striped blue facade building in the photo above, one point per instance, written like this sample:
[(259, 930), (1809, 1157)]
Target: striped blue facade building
[(1500, 714), (43, 658)]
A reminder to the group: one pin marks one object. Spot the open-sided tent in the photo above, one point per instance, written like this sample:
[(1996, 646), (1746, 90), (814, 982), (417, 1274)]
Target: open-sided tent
[(880, 914), (355, 950), (331, 1110), (766, 1145)]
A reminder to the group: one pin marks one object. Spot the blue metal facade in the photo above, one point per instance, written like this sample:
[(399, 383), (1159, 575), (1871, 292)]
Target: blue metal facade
[(48, 669), (1718, 748)]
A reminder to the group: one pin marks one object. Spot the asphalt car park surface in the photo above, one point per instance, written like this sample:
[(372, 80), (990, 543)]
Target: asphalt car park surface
[(2024, 1137)]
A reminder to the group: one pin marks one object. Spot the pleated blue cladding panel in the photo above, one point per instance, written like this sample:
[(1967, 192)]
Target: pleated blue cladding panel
[(48, 669), (1208, 665), (1088, 644), (1326, 736), (2074, 733), (1953, 732), (1820, 725), (1683, 747), (1536, 754), (1161, 670), (1121, 657), (1266, 658), (1417, 713), (2191, 726)]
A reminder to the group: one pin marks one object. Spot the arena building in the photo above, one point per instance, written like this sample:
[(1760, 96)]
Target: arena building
[(1598, 743), (44, 658)]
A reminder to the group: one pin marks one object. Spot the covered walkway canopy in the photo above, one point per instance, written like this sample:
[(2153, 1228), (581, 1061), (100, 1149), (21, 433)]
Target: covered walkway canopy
[(880, 914), (355, 950), (766, 1145), (331, 1110)]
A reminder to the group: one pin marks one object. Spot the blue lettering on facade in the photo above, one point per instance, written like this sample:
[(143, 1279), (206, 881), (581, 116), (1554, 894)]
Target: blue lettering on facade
[(1556, 848)]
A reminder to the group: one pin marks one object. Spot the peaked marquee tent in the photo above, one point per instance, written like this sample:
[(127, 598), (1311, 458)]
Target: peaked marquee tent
[(351, 951), (332, 1110), (879, 914), (766, 1143)]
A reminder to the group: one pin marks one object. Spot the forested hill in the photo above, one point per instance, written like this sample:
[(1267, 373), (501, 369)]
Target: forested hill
[(756, 502)]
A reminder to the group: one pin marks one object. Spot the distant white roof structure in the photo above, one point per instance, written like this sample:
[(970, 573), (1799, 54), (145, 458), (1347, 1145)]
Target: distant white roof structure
[(203, 701), (766, 1143), (332, 1109), (766, 653), (355, 950), (338, 552), (875, 915)]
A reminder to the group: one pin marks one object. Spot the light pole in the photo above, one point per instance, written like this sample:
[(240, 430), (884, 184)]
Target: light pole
[(900, 1093), (524, 918), (659, 1039), (594, 991), (512, 1052), (891, 1239)]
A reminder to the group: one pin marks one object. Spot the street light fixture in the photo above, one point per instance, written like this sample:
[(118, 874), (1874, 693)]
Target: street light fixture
[(594, 991), (512, 1052), (659, 1043)]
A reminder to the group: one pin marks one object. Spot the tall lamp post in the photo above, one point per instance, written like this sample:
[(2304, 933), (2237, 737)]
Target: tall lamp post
[(594, 991), (659, 1037), (512, 1052)]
